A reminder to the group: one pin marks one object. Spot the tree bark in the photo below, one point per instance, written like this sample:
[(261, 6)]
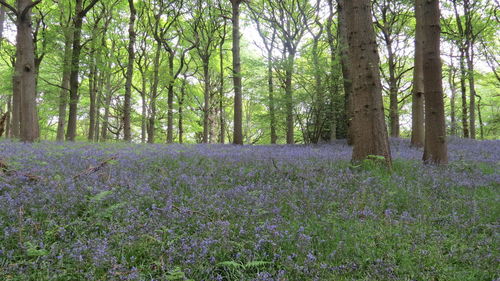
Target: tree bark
[(472, 90), (154, 94), (417, 106), (80, 13), (435, 148), (127, 108), (26, 72), (346, 71), (92, 96), (369, 129), (63, 93), (333, 77), (238, 106), (206, 105), (463, 74), (170, 99), (290, 60)]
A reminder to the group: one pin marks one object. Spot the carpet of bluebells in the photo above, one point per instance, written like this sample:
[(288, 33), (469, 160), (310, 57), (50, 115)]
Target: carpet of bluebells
[(81, 211)]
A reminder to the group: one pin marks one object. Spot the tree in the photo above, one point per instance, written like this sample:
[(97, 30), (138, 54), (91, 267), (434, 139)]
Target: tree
[(435, 148), (25, 71), (80, 13), (238, 107), (417, 107), (369, 129), (130, 72)]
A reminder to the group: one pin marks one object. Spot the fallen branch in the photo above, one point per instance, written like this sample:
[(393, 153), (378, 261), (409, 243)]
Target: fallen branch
[(90, 170), (4, 169)]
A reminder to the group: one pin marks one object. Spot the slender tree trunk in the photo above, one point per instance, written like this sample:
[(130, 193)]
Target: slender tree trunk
[(26, 72), (272, 107), (463, 75), (370, 132), (206, 107), (63, 93), (472, 89), (417, 106), (2, 21), (289, 96), (320, 96), (154, 94), (144, 108), (481, 124), (238, 106), (332, 84), (435, 148), (222, 136), (7, 121), (92, 95), (170, 99), (453, 87), (181, 111), (393, 92), (127, 108), (107, 104)]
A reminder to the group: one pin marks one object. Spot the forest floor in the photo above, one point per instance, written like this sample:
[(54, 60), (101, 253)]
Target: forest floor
[(81, 211)]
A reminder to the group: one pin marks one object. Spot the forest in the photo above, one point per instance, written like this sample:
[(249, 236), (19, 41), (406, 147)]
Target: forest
[(249, 139)]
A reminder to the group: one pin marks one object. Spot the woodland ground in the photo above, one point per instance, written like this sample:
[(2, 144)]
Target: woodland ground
[(81, 211)]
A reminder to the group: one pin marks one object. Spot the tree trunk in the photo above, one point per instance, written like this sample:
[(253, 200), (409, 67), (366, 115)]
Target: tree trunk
[(222, 136), (272, 107), (63, 94), (417, 106), (435, 148), (154, 94), (144, 108), (206, 105), (92, 95), (26, 72), (80, 13), (346, 71), (170, 99), (472, 89), (463, 74), (238, 106), (332, 84), (290, 60), (181, 111), (453, 88), (127, 134), (393, 92), (369, 129)]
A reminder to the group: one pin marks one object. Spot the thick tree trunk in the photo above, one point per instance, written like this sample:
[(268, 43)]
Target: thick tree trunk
[(369, 128), (238, 106), (63, 94), (417, 106), (435, 148), (75, 67), (127, 108), (319, 116), (26, 73), (346, 71)]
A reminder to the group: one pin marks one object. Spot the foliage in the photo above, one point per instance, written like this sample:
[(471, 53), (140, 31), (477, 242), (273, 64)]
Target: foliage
[(199, 212)]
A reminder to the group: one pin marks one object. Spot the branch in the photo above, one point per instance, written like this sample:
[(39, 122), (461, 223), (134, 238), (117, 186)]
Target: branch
[(27, 9), (2, 2)]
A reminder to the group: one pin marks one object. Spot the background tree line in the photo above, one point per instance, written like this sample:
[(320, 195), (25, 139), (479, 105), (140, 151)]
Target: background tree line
[(188, 71)]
